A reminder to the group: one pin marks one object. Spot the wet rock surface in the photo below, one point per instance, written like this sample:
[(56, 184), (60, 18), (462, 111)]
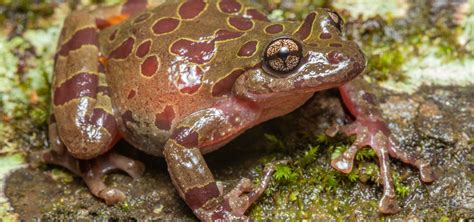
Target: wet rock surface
[(436, 123)]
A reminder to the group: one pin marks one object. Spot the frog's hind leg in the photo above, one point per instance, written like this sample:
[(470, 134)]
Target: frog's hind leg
[(83, 127), (91, 171), (81, 101)]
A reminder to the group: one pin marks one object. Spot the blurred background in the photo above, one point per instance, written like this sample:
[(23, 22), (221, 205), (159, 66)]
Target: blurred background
[(420, 60)]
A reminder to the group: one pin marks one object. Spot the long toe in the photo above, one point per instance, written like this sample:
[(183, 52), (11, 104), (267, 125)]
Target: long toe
[(245, 185), (388, 205), (112, 196), (427, 173), (132, 167), (135, 169), (342, 165)]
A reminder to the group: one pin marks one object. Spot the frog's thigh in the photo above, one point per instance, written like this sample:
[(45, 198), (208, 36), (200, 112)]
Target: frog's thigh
[(183, 151), (81, 102)]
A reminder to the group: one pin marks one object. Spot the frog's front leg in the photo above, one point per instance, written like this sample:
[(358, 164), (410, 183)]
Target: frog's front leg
[(202, 132), (371, 130)]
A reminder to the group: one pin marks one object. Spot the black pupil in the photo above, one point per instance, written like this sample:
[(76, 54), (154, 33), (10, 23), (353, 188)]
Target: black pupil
[(283, 53)]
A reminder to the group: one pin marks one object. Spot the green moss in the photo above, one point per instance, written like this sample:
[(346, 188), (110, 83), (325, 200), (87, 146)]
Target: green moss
[(400, 189), (157, 210), (396, 42), (308, 186), (308, 174), (364, 154), (385, 63), (368, 172), (307, 179), (284, 174), (308, 157), (26, 76)]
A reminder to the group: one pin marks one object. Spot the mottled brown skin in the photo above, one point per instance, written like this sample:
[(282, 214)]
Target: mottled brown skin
[(182, 78)]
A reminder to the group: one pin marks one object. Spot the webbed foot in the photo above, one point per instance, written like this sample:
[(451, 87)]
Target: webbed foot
[(92, 171), (375, 134)]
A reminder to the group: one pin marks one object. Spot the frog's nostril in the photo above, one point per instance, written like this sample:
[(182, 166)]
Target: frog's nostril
[(335, 57)]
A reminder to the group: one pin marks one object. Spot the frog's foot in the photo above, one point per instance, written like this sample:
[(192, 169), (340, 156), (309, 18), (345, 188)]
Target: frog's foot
[(375, 134), (245, 194), (92, 171), (232, 206)]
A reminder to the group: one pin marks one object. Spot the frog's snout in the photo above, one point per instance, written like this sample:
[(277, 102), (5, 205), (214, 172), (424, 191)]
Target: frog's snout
[(345, 65), (354, 56), (332, 66)]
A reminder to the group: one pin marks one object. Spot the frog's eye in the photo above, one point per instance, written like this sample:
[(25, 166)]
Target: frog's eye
[(282, 56), (336, 19)]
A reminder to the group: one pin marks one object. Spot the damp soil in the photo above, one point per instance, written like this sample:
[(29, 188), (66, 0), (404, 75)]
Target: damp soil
[(436, 123)]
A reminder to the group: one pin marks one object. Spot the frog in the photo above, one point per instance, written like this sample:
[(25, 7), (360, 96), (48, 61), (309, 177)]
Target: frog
[(180, 79)]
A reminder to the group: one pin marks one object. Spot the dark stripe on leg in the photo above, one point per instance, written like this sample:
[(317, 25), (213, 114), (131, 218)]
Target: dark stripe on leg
[(196, 197), (102, 118), (87, 36), (79, 86)]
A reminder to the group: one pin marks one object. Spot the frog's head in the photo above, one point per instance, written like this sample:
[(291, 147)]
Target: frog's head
[(314, 57)]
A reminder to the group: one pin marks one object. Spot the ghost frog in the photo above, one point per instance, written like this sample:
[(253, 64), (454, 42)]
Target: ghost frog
[(180, 79)]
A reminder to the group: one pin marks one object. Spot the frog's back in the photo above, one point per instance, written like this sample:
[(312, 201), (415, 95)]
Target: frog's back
[(168, 62)]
